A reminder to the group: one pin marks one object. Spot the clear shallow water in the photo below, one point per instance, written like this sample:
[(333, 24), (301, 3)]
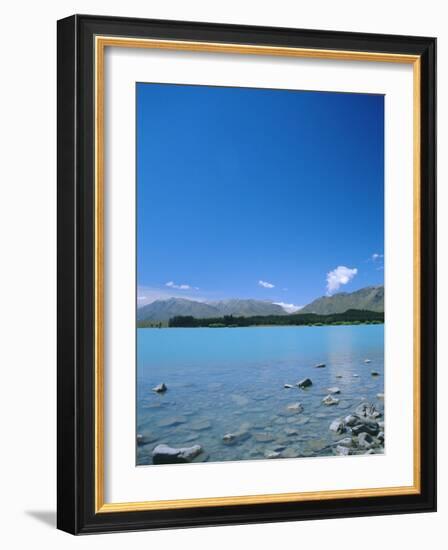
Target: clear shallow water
[(232, 379)]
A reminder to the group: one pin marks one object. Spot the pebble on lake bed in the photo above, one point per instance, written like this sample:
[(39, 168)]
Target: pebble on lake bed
[(320, 366), (288, 386), (375, 373), (334, 389), (367, 361)]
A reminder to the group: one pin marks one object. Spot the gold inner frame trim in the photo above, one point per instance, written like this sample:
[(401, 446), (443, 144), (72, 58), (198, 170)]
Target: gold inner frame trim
[(101, 42)]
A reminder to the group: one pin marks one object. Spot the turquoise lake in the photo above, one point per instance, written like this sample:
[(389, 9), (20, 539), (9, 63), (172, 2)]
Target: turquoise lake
[(231, 380)]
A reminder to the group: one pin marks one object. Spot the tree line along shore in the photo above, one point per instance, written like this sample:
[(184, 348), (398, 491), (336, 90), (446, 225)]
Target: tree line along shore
[(349, 317)]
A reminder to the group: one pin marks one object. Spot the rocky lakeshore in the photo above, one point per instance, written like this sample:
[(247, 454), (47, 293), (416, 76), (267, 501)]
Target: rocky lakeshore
[(331, 410)]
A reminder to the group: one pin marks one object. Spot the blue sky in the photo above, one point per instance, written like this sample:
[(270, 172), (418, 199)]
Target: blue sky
[(249, 193)]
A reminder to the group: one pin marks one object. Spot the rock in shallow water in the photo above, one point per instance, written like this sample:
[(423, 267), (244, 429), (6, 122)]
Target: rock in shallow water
[(144, 439), (371, 428), (333, 390), (351, 420), (161, 388), (295, 407), (337, 426), (330, 400), (164, 454), (272, 454), (342, 451), (365, 441), (290, 453), (305, 383)]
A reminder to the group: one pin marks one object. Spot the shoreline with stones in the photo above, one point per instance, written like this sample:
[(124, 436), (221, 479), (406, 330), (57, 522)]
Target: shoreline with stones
[(359, 432)]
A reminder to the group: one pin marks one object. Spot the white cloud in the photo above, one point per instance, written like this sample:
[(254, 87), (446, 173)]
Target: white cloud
[(172, 284), (265, 284), (375, 256), (339, 276), (140, 298), (290, 308)]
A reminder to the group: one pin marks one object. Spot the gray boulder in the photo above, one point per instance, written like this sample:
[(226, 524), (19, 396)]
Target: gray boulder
[(164, 454), (351, 420), (367, 410), (242, 434), (161, 388), (305, 383), (346, 442), (337, 426), (371, 428), (365, 441), (330, 400)]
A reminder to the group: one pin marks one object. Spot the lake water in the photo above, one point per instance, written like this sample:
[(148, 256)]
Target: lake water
[(231, 380)]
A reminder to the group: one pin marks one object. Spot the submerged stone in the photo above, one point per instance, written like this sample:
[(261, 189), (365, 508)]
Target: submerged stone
[(272, 454), (199, 425), (290, 453), (295, 407), (264, 437), (164, 454), (171, 421)]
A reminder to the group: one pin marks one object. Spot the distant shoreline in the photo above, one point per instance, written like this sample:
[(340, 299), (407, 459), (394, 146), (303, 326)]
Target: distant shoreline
[(350, 317)]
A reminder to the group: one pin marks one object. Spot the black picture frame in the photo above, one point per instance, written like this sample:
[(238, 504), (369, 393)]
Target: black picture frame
[(76, 286)]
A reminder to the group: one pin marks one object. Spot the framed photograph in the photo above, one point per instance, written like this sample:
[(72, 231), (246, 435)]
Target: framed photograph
[(246, 274)]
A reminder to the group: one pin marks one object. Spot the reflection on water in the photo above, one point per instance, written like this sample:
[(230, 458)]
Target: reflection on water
[(231, 381)]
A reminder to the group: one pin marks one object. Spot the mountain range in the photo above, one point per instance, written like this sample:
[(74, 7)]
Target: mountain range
[(369, 298), (163, 310)]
